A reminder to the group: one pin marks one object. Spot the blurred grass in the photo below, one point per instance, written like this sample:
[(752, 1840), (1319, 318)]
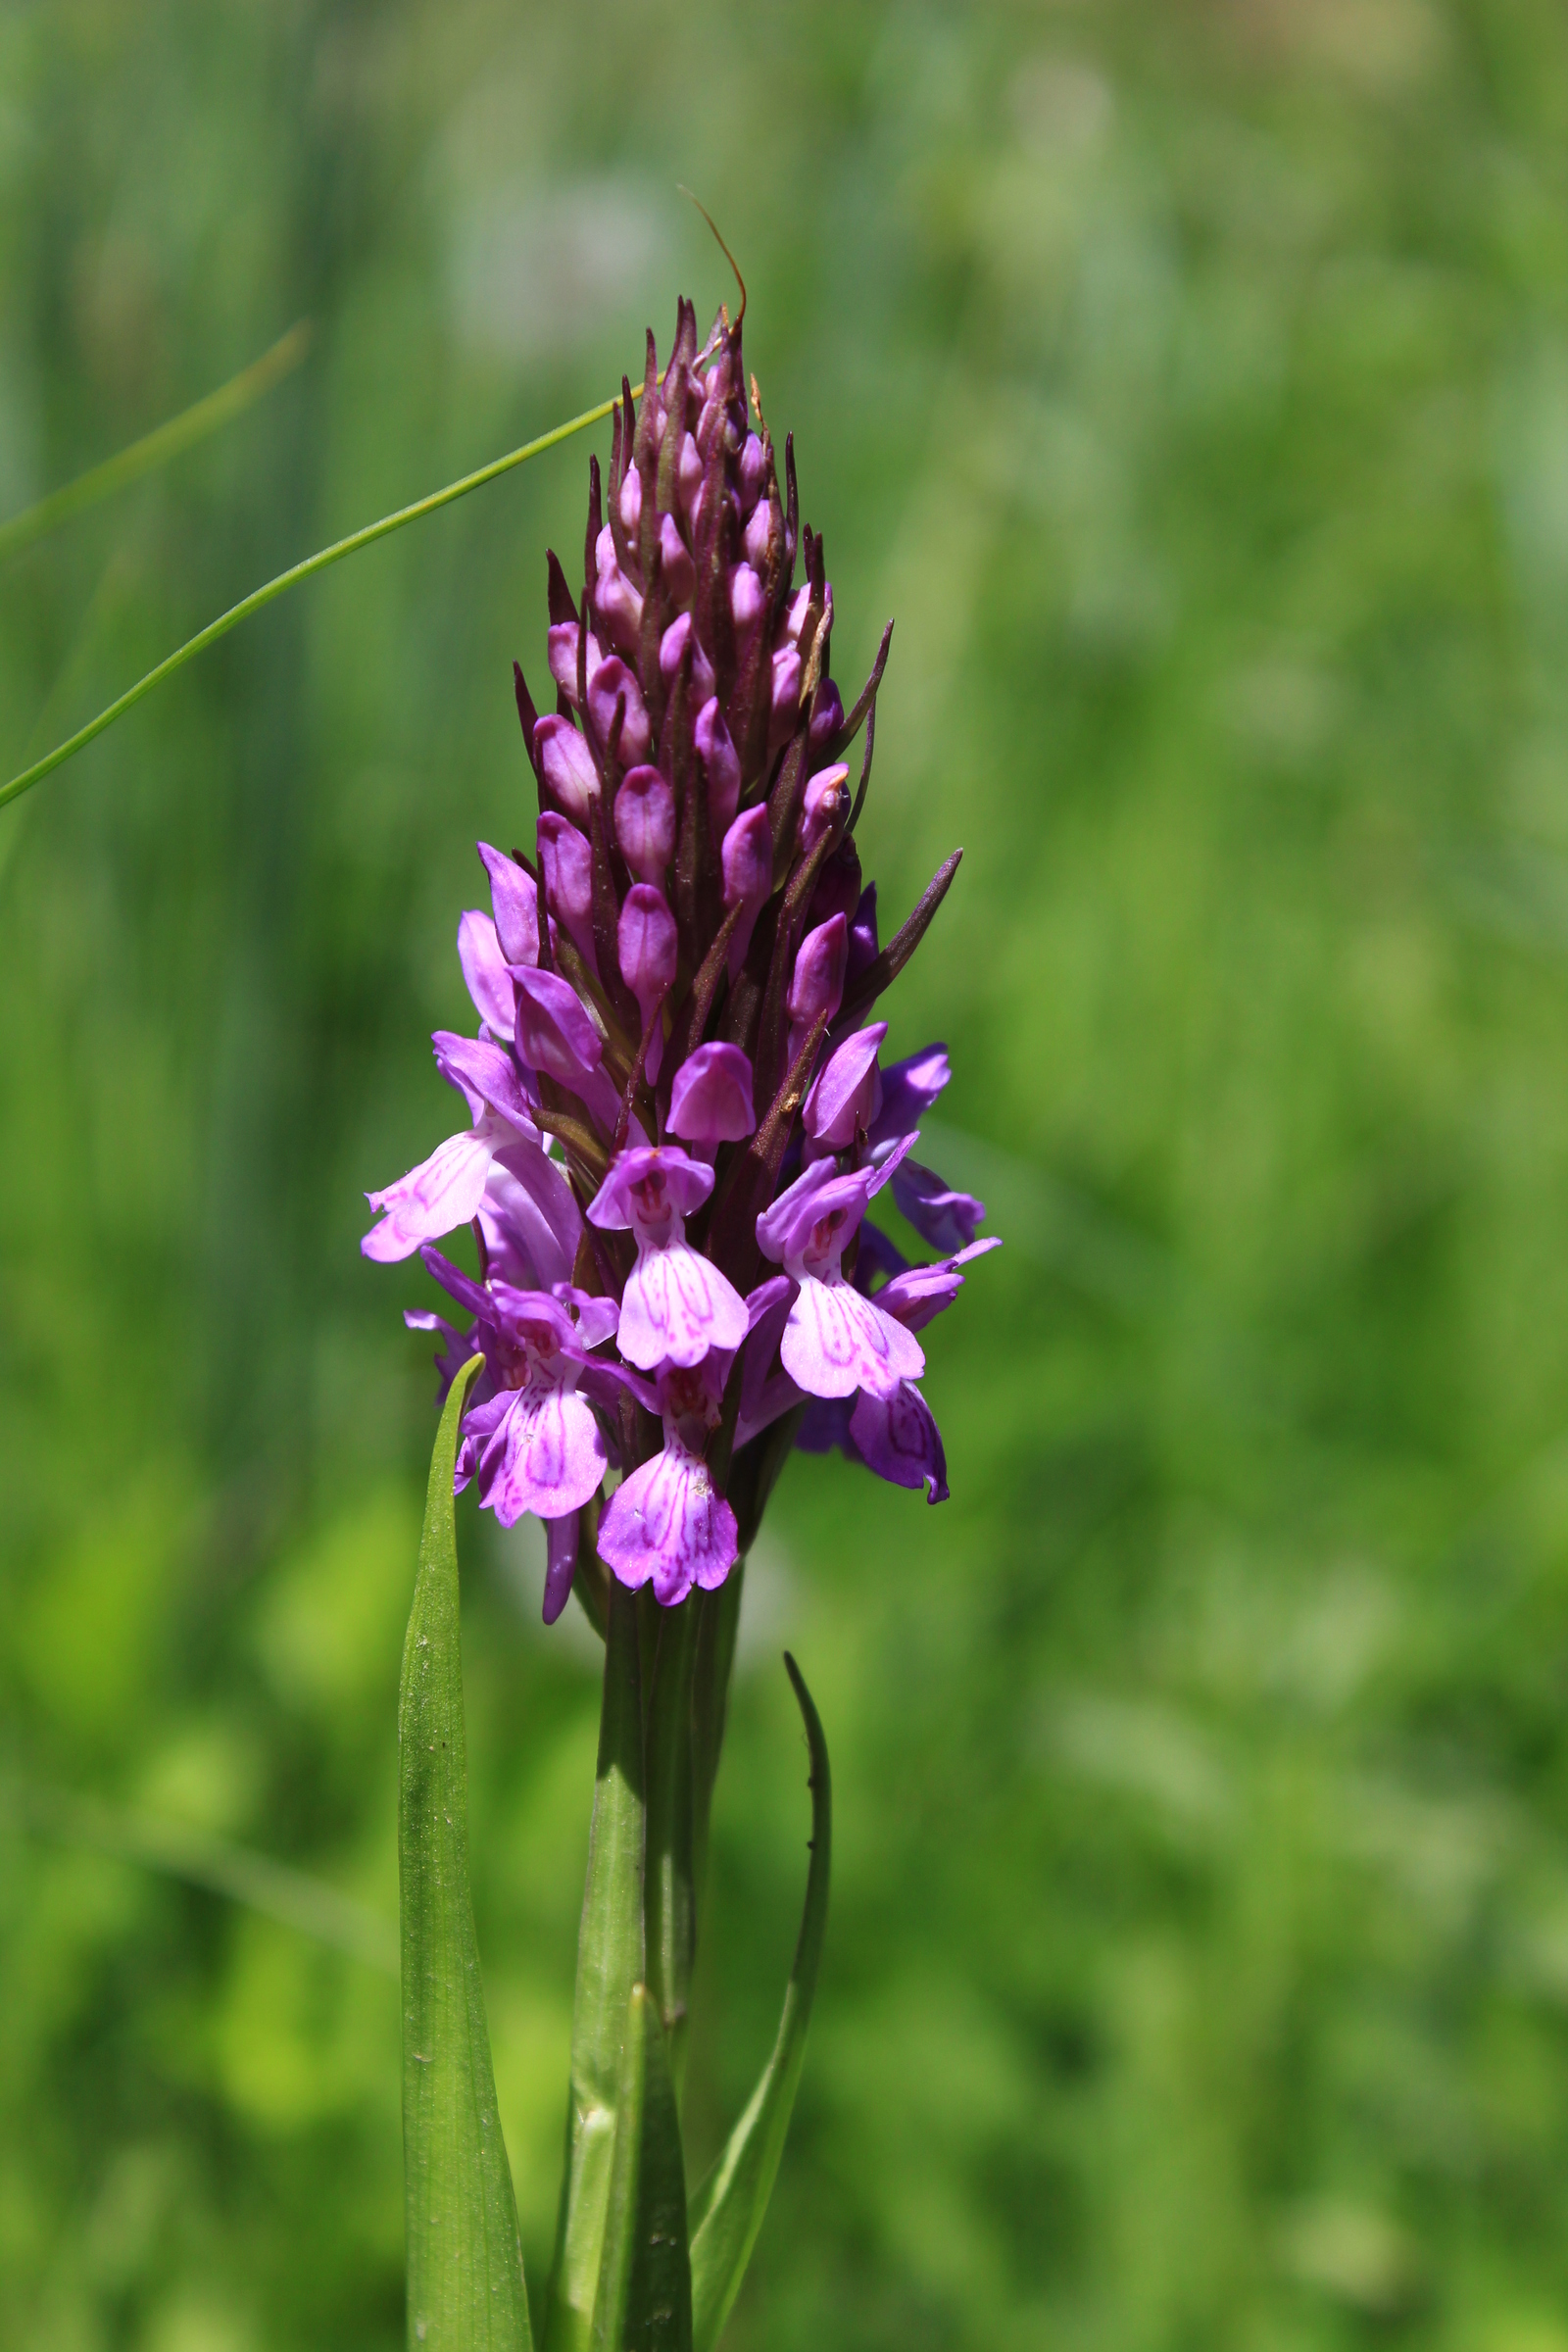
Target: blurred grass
[(1191, 382)]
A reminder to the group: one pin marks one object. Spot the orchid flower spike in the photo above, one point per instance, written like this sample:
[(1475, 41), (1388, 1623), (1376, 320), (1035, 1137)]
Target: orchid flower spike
[(677, 1074)]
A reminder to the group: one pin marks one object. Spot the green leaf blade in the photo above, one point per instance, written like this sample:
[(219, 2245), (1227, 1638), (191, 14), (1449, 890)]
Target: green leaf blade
[(465, 2290), (727, 2210)]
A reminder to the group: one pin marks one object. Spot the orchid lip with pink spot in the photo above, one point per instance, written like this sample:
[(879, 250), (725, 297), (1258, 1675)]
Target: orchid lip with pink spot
[(836, 1339), (665, 1522), (677, 1304)]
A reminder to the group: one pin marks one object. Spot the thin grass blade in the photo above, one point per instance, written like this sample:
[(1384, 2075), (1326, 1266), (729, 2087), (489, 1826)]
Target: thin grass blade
[(259, 598), (465, 2262), (727, 2210)]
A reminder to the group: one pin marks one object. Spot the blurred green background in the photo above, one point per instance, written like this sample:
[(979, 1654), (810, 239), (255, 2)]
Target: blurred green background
[(1191, 382)]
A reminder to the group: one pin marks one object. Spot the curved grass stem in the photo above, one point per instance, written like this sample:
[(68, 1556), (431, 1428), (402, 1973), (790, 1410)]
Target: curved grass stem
[(258, 598)]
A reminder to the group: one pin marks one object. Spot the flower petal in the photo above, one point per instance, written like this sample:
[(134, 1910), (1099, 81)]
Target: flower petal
[(482, 1067), (530, 1220), (836, 1341), (546, 1456), (560, 1538), (944, 1219), (437, 1196), (666, 1522), (675, 1307), (484, 971), (898, 1440)]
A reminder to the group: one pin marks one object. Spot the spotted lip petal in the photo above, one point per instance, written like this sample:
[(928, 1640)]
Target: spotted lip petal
[(836, 1341), (676, 1305), (668, 1524), (546, 1455)]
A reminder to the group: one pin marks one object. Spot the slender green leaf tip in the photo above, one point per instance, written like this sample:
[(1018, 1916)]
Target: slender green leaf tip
[(259, 598), (465, 2290), (727, 2210)]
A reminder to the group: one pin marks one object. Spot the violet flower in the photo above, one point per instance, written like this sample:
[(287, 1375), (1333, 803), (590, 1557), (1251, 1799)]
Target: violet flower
[(675, 1304), (677, 1072), (666, 1522)]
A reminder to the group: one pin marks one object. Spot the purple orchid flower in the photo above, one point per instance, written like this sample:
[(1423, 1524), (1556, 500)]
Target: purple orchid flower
[(649, 988), (677, 1304), (667, 1522), (445, 1190), (894, 1435), (531, 1436), (836, 1339)]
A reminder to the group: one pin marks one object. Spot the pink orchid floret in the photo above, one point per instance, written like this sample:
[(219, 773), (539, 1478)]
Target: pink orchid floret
[(677, 1304), (666, 1523), (445, 1190), (836, 1339)]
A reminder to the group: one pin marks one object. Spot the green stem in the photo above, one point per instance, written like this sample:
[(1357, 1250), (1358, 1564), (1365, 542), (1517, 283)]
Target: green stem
[(717, 1621), (669, 1910), (610, 1962), (258, 598)]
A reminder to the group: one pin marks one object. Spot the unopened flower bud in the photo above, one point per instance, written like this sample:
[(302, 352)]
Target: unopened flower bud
[(747, 859), (795, 612), (826, 810), (631, 504), (759, 532), (672, 650), (827, 718), (567, 764), (568, 865), (679, 571), (720, 764), (612, 684), (712, 1103), (563, 645), (818, 987), (786, 704), (646, 942), (689, 473), (616, 602), (745, 601), (645, 824)]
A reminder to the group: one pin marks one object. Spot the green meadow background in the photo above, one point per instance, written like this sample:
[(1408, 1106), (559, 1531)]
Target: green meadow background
[(1191, 380)]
